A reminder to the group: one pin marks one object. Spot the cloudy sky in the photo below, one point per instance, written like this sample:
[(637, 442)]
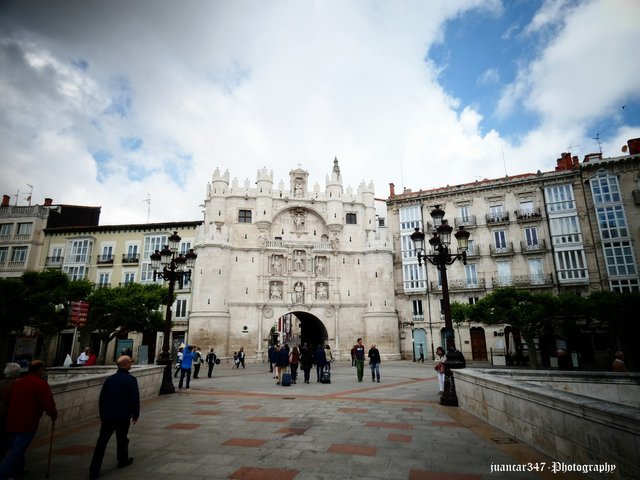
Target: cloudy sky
[(110, 103)]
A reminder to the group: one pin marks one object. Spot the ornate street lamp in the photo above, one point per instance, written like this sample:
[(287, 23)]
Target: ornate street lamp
[(441, 256), (175, 268)]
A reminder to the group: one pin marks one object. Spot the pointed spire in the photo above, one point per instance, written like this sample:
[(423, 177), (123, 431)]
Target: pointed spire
[(336, 168)]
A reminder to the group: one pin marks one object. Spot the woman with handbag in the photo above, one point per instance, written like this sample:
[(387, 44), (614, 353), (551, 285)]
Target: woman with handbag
[(439, 367)]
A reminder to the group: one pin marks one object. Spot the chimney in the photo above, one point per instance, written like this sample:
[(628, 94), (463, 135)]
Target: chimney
[(392, 190), (592, 156), (564, 162), (634, 146), (48, 202), (5, 200)]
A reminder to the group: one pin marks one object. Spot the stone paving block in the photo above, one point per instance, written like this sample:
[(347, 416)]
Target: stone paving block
[(352, 449), (254, 473)]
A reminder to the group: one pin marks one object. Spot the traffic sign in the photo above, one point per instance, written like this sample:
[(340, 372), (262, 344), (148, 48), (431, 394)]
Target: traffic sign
[(79, 313)]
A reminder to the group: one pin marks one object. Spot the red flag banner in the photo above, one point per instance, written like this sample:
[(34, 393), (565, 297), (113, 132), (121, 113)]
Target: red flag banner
[(79, 313)]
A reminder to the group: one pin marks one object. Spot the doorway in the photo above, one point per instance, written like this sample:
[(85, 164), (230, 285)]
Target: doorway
[(478, 344), (312, 330)]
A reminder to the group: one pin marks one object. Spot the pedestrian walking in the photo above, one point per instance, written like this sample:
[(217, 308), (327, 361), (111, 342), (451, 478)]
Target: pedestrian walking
[(119, 406), (282, 362), (306, 361), (440, 368), (11, 372), (421, 351), (211, 361), (329, 356), (197, 362), (374, 362), (185, 366), (358, 350), (320, 359), (241, 356), (273, 356), (29, 398), (178, 361), (294, 360)]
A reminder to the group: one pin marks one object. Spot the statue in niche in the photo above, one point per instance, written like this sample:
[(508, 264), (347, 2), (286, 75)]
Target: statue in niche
[(298, 261), (275, 292), (262, 238), (276, 265), (321, 266), (321, 291), (298, 222), (298, 292), (335, 241), (299, 189)]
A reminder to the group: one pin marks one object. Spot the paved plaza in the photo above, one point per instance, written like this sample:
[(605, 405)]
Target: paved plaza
[(241, 425)]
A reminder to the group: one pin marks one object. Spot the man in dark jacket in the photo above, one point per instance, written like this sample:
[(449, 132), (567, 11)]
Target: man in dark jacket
[(320, 359), (29, 398), (119, 406), (282, 363)]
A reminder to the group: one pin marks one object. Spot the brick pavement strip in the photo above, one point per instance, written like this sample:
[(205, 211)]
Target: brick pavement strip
[(338, 431)]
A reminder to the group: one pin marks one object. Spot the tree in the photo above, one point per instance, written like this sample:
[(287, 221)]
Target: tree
[(532, 314), (131, 308), (40, 301), (459, 314)]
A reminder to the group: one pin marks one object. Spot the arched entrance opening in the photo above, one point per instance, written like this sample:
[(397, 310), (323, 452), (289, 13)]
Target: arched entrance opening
[(303, 327)]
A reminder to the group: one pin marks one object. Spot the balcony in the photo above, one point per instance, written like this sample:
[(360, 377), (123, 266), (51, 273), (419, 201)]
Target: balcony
[(473, 252), (461, 284), (538, 247), (529, 280), (102, 285), (105, 260), (502, 250), (467, 222), (528, 215), (497, 218), (54, 262), (131, 258)]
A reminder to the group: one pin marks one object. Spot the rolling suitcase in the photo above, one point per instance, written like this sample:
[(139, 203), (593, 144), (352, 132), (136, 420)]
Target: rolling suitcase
[(286, 380), (326, 376)]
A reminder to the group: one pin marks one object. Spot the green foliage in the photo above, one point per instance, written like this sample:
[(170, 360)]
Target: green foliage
[(11, 305), (460, 312), (132, 307)]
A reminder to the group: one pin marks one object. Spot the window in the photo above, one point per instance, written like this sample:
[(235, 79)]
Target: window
[(531, 236), (621, 286), (535, 271), (619, 259), (184, 248), (244, 216), (565, 230), (571, 265), (605, 189), (129, 277), (465, 214), (153, 243), (612, 222), (4, 251), (132, 251), (75, 273), (559, 197), (351, 219), (495, 213), (56, 254), (146, 274), (181, 308), (504, 273), (500, 238), (19, 254), (104, 280), (526, 207), (471, 274), (5, 229), (410, 218), (107, 253), (24, 228), (413, 276), (80, 251), (473, 300)]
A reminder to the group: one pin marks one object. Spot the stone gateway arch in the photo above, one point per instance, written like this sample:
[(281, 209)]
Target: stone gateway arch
[(268, 257)]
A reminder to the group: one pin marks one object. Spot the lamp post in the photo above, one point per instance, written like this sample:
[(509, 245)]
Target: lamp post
[(441, 256), (175, 268)]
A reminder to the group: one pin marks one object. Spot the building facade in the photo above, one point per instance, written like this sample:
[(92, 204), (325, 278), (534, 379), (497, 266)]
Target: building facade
[(574, 229), (114, 255), (292, 262)]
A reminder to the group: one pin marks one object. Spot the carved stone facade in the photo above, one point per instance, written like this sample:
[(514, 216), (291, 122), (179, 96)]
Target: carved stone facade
[(312, 265)]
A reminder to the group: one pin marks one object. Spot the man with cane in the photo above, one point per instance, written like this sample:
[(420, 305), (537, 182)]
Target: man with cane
[(30, 397)]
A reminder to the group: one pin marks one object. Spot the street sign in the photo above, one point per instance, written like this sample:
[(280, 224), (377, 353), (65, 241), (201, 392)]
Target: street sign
[(79, 313)]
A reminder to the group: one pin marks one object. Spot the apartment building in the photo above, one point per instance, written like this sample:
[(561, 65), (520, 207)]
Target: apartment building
[(113, 255), (574, 229)]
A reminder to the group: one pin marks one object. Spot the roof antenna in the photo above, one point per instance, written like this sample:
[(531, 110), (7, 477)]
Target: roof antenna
[(28, 197), (597, 139), (504, 161), (148, 202)]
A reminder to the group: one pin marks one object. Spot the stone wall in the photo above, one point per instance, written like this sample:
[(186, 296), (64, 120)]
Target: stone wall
[(76, 390), (541, 409)]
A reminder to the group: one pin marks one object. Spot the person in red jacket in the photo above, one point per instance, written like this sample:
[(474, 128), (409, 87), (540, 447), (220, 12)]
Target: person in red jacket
[(91, 361), (30, 397)]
